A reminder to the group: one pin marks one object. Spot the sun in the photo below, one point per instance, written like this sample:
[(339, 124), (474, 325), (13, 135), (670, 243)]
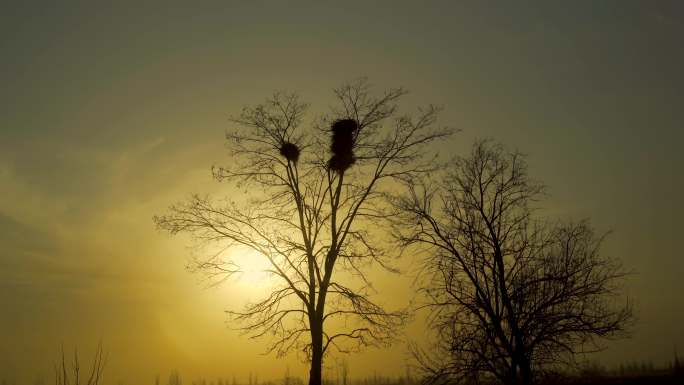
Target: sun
[(253, 267)]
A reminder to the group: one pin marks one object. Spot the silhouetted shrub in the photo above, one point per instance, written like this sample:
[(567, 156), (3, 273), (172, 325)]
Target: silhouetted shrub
[(71, 374)]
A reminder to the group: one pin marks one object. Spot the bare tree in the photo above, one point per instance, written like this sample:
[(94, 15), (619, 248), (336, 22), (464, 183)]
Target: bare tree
[(509, 293), (65, 375), (312, 204)]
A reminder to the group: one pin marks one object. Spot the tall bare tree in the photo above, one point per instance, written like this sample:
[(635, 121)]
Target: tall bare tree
[(313, 198), (510, 293)]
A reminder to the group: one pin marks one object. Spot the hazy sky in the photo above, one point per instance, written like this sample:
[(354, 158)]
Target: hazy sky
[(109, 113)]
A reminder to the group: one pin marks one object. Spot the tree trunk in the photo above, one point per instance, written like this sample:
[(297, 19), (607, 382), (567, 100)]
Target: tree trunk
[(315, 373), (512, 378), (525, 372)]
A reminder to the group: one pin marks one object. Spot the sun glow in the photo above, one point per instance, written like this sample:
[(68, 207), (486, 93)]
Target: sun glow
[(253, 267)]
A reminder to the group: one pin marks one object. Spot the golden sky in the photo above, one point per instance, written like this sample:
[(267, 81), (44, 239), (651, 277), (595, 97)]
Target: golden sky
[(110, 113)]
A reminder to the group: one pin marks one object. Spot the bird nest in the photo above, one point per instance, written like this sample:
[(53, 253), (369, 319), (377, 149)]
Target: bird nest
[(342, 147), (290, 151)]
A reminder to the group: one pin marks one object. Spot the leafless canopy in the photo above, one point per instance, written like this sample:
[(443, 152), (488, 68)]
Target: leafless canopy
[(315, 224), (510, 294)]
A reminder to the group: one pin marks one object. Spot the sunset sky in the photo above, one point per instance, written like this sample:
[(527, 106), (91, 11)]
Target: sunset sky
[(110, 113)]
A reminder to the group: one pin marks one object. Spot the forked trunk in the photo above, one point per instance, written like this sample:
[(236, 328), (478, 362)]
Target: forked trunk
[(520, 373)]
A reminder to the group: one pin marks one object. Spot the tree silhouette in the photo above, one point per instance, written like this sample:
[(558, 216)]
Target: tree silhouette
[(510, 293), (312, 206)]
